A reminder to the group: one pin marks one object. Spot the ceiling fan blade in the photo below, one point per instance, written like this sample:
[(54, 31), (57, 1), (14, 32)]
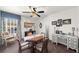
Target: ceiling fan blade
[(34, 9), (40, 12), (37, 15)]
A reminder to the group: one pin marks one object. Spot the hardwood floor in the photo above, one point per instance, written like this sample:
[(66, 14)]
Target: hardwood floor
[(52, 48)]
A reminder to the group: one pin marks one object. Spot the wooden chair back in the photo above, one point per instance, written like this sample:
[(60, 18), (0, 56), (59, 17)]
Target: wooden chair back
[(19, 45), (44, 47)]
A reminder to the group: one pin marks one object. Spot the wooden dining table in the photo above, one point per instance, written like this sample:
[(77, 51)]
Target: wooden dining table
[(34, 39)]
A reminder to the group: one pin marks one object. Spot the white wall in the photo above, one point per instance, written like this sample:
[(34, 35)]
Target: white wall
[(24, 19), (66, 14)]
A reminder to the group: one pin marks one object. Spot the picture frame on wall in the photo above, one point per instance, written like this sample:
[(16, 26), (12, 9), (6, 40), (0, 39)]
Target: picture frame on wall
[(54, 22), (66, 21), (59, 22), (28, 25)]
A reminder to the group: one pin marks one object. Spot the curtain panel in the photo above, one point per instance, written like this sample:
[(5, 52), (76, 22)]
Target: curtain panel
[(12, 16)]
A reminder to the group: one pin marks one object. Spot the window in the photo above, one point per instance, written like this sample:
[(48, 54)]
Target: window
[(10, 25)]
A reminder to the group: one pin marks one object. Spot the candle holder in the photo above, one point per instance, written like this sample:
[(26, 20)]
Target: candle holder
[(73, 30)]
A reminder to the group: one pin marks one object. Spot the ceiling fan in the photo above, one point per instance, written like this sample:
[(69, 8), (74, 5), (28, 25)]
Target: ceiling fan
[(33, 11)]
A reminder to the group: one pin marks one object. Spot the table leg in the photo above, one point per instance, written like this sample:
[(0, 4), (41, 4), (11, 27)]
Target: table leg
[(33, 47)]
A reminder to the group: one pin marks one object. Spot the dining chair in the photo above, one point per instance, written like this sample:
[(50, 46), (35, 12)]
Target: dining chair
[(22, 46), (42, 46)]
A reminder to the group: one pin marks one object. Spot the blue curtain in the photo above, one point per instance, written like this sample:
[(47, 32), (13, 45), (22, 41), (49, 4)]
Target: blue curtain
[(0, 23), (10, 15), (13, 16)]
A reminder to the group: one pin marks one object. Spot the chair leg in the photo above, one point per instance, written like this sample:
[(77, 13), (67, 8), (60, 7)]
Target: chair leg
[(20, 51), (32, 49), (44, 51)]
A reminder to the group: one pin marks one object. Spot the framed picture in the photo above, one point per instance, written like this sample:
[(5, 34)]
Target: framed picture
[(27, 25), (54, 22), (67, 21), (59, 22)]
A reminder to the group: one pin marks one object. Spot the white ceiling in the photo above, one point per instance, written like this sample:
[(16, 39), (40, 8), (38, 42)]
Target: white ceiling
[(48, 9)]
